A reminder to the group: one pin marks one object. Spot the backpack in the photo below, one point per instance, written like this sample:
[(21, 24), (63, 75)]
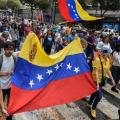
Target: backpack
[(1, 60)]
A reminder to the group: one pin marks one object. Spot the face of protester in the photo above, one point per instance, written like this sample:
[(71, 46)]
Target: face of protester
[(95, 33), (6, 24), (106, 39), (49, 32), (9, 51)]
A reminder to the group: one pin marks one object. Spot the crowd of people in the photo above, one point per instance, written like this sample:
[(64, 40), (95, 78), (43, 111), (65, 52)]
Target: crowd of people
[(101, 48)]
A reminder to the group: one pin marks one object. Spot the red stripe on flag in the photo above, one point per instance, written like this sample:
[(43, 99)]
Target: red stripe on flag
[(63, 8), (56, 93)]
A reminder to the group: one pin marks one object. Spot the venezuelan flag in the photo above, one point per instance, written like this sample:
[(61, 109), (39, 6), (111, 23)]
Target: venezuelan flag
[(72, 11), (40, 80)]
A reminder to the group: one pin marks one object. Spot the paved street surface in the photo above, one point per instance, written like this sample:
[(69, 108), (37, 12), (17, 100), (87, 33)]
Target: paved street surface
[(107, 110)]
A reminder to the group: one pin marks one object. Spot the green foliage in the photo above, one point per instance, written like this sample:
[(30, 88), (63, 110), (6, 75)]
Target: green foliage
[(42, 4), (3, 4), (14, 4)]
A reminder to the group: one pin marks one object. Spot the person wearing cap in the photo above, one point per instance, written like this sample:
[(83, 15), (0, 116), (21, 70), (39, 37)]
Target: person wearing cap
[(91, 47), (104, 43), (101, 69)]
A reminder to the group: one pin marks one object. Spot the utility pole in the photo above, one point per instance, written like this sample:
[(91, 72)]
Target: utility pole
[(54, 11)]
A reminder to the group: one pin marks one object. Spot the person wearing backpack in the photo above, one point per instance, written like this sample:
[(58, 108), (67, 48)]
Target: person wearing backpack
[(7, 64)]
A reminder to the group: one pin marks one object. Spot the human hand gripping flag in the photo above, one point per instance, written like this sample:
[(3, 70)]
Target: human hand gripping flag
[(42, 81)]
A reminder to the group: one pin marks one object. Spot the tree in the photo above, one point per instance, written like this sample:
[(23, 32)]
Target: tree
[(106, 5), (14, 4), (31, 3), (3, 4), (42, 4)]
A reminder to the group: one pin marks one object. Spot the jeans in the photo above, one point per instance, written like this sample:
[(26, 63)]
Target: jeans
[(95, 98)]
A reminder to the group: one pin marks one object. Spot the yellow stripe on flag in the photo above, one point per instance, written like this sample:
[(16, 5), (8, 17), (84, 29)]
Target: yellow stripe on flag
[(33, 52), (83, 14)]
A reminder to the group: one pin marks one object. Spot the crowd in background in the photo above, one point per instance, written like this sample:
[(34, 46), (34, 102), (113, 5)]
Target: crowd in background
[(55, 37)]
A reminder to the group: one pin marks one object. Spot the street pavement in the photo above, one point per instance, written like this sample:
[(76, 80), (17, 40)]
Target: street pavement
[(106, 110)]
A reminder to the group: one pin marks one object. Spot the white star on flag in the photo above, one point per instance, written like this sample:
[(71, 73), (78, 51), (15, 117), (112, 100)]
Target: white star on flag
[(72, 6), (31, 83), (68, 4), (39, 77), (76, 15), (49, 72), (57, 67), (76, 69), (74, 11), (69, 66), (61, 64)]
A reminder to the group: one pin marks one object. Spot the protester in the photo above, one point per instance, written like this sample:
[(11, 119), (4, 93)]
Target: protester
[(101, 68), (7, 64), (48, 42), (5, 26), (104, 43), (90, 48), (15, 35), (116, 67)]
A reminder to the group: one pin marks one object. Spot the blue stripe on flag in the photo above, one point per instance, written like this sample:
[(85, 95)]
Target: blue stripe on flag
[(30, 77)]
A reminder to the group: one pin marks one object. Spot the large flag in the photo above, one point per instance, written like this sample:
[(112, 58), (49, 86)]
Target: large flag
[(40, 80), (72, 11)]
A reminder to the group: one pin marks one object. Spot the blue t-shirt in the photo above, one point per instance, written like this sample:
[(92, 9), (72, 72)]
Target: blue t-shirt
[(69, 38)]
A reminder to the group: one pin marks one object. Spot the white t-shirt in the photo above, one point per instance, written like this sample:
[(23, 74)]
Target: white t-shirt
[(116, 58), (101, 44), (8, 65)]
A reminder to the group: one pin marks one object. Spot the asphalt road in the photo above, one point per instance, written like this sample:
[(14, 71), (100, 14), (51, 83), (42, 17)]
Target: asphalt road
[(106, 110)]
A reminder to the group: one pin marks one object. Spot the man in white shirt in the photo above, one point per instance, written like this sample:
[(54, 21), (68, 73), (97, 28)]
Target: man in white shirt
[(7, 63)]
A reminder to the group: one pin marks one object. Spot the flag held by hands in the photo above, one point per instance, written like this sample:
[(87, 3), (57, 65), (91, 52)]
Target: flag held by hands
[(41, 81)]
